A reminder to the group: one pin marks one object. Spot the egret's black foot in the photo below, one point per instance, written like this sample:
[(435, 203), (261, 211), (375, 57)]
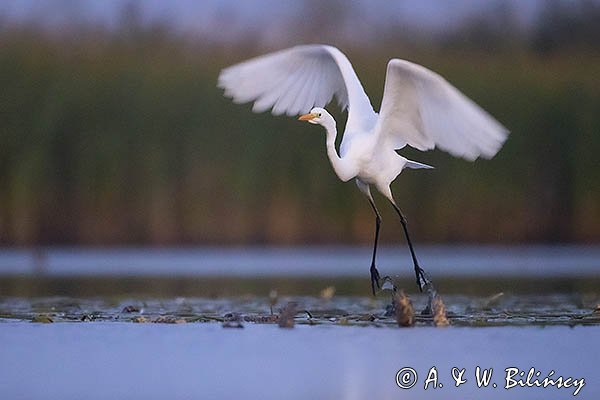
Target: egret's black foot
[(422, 279), (375, 278), (426, 284)]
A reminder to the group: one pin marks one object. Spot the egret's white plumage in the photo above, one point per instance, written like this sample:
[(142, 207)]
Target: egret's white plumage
[(419, 108)]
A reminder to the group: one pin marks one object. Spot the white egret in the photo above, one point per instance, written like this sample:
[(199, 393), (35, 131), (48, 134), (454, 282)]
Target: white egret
[(419, 108)]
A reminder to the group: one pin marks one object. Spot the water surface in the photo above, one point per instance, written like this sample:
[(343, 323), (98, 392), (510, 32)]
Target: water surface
[(461, 260), (203, 323), (196, 361)]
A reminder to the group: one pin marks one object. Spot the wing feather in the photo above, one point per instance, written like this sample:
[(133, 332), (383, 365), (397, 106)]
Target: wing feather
[(301, 103), (294, 80), (423, 110), (289, 92)]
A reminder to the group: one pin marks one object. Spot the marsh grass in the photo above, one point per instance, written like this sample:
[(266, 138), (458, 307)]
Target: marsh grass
[(124, 138)]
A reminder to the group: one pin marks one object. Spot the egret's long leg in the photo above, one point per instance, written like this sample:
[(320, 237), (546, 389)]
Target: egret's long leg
[(422, 279), (375, 277)]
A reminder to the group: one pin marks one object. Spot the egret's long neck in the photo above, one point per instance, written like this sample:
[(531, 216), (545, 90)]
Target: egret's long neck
[(343, 170)]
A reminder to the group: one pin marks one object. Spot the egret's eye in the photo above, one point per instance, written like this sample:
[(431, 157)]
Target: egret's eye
[(319, 115)]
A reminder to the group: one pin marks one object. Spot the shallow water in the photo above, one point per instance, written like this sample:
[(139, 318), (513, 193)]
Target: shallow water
[(183, 324), (103, 360)]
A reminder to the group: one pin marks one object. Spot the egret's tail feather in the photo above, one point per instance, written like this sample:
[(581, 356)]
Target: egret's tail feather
[(416, 165)]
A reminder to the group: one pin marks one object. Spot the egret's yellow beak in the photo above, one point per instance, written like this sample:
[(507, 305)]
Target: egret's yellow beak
[(307, 117)]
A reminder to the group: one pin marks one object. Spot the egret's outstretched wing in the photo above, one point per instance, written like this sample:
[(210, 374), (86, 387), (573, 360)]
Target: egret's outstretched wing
[(423, 110), (294, 80)]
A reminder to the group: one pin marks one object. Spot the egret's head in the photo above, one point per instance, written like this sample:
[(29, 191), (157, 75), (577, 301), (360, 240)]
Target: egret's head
[(317, 115)]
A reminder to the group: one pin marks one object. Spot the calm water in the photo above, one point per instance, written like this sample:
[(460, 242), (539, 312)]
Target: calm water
[(534, 261), (203, 323), (205, 361)]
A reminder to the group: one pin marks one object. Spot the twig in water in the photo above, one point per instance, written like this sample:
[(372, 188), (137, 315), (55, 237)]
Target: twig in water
[(273, 295), (405, 313), (440, 319), (286, 317)]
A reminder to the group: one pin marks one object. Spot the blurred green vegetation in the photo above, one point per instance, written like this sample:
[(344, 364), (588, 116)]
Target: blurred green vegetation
[(123, 138)]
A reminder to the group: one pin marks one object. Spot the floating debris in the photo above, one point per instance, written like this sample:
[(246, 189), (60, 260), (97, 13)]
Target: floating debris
[(163, 319), (262, 319), (404, 311), (328, 293), (514, 310), (232, 320), (366, 318), (440, 318), (286, 317), (42, 319), (233, 324)]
